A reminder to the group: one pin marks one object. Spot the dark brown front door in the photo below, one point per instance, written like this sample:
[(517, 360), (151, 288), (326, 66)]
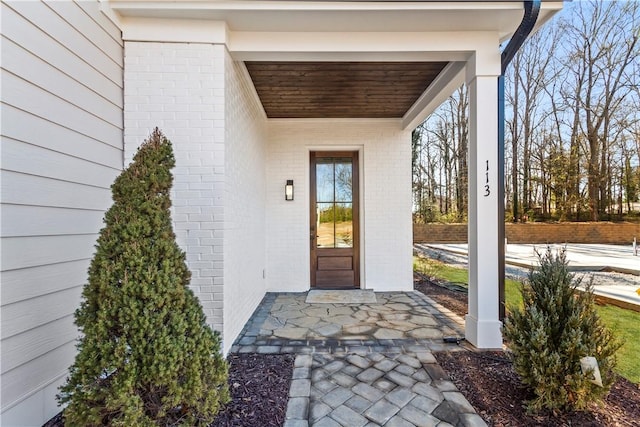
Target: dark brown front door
[(334, 224)]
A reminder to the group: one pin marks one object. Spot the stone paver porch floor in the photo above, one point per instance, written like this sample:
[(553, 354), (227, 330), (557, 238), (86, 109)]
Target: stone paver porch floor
[(362, 364)]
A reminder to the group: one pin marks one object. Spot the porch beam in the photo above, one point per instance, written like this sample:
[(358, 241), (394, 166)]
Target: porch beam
[(438, 91), (357, 46), (174, 30)]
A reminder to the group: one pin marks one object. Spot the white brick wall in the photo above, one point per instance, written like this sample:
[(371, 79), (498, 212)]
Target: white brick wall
[(179, 87), (244, 232), (385, 180), (229, 211)]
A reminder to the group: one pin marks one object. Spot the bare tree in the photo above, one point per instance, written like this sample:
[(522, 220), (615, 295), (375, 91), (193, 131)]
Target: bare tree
[(604, 37), (440, 148), (528, 77)]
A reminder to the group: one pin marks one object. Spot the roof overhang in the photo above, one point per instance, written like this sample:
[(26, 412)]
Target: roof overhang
[(341, 16), (394, 59)]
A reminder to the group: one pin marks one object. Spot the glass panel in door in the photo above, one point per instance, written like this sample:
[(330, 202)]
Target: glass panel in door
[(334, 204)]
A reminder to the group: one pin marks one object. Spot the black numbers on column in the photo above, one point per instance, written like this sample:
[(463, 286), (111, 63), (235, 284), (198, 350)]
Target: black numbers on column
[(487, 190)]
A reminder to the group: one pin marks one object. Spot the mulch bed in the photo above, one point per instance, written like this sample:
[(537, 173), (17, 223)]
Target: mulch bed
[(488, 381), (455, 301), (259, 386)]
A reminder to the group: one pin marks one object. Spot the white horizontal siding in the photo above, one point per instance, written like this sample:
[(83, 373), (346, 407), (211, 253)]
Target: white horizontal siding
[(24, 220), (41, 74), (55, 52), (29, 314), (35, 342), (24, 252), (22, 189), (62, 147), (20, 383), (27, 283), (26, 96), (42, 16), (24, 126), (30, 159), (83, 22), (93, 9)]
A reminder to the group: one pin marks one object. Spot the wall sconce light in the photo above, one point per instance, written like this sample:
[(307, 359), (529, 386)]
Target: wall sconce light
[(288, 190)]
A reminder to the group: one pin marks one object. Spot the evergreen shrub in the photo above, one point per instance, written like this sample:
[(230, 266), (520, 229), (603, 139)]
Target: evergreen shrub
[(556, 328), (146, 355)]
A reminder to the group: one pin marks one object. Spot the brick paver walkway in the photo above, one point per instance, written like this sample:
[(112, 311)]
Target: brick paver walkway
[(362, 364)]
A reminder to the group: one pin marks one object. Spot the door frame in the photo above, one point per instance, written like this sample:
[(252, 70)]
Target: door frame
[(355, 155)]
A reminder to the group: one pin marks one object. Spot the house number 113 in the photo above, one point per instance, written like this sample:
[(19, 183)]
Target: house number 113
[(487, 190)]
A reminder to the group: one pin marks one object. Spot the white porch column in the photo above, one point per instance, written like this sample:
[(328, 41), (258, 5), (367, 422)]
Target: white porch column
[(482, 325)]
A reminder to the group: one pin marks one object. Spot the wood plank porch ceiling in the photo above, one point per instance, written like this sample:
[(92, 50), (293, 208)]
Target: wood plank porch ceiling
[(340, 89)]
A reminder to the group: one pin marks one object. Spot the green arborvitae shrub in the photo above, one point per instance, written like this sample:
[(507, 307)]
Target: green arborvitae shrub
[(557, 327), (146, 355)]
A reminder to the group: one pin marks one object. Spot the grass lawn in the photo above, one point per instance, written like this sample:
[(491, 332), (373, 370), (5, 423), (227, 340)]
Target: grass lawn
[(625, 323)]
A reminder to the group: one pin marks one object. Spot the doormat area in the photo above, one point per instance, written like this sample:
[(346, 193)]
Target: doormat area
[(347, 296)]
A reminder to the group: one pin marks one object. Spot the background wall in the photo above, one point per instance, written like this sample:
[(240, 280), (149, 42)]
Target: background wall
[(244, 231), (568, 232), (61, 144), (385, 179)]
